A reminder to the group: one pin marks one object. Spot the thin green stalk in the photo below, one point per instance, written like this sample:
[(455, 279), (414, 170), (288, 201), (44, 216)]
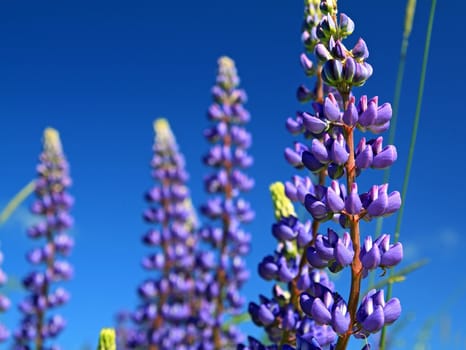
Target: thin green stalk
[(409, 18), (412, 145), (16, 201)]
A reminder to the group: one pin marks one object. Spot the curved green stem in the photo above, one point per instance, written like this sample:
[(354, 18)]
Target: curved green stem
[(409, 17), (16, 201)]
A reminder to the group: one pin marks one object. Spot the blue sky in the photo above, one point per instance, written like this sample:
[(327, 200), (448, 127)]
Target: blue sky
[(101, 72)]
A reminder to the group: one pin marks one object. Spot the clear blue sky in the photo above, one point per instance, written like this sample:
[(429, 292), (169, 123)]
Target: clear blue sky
[(101, 71)]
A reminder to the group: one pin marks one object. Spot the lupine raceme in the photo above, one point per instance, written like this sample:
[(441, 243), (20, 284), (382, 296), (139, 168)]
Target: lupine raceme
[(330, 151), (52, 204), (227, 157), (165, 317)]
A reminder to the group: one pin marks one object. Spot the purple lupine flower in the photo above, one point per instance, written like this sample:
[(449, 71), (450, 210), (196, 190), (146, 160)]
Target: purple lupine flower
[(52, 204), (374, 313), (168, 300), (229, 157)]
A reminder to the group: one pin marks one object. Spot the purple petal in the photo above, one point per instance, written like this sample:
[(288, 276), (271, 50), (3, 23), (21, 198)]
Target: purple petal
[(317, 209), (364, 159), (339, 154), (303, 344), (378, 129), (353, 204), (293, 157), (392, 310), (368, 116), (331, 110), (291, 191), (384, 114), (393, 256), (283, 232), (313, 124), (340, 321), (319, 151), (311, 162), (378, 206), (285, 274), (334, 201), (314, 259), (265, 315), (351, 116), (348, 73), (293, 126), (375, 321), (305, 300), (394, 203), (343, 255), (320, 313), (324, 250), (385, 158), (371, 259)]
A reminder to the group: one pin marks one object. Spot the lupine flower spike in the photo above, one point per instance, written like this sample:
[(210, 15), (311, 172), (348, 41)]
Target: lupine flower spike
[(166, 312), (52, 204), (228, 157), (333, 151)]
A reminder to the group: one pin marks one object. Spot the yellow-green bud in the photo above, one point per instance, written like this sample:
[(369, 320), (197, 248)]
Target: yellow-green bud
[(163, 133), (281, 203), (52, 141), (107, 339)]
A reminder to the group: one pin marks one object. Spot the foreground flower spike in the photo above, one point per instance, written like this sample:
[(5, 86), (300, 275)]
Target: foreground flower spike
[(332, 154), (107, 339), (53, 204), (228, 157), (166, 312), (332, 128)]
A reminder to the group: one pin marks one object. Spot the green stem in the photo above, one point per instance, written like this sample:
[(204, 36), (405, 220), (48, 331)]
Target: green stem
[(395, 106), (410, 9), (412, 145), (16, 201)]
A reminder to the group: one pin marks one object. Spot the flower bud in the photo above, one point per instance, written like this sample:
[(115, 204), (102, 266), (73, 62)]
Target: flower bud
[(326, 28), (331, 108), (322, 53), (360, 51), (314, 124), (307, 65), (303, 94), (346, 26), (351, 116), (332, 72), (339, 50), (349, 70), (385, 158), (311, 162)]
